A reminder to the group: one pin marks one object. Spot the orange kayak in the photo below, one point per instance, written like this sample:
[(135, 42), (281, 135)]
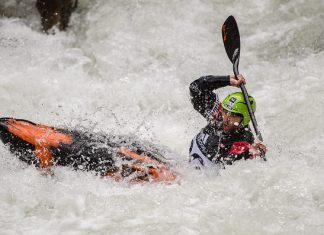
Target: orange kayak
[(119, 157)]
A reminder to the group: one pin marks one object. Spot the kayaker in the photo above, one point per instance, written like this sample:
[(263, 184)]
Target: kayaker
[(227, 136)]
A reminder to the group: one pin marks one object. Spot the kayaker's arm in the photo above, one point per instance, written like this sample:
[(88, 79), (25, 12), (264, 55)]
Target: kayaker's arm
[(202, 96), (244, 150)]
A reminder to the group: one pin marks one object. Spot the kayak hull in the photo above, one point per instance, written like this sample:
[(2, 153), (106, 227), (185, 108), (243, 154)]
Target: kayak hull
[(113, 156)]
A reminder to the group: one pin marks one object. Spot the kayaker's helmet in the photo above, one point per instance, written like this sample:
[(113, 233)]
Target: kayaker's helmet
[(235, 103)]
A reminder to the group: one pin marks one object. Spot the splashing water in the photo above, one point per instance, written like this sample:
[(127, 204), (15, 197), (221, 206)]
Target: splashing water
[(124, 67)]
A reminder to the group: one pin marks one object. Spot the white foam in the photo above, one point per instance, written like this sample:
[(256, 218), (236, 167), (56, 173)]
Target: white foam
[(125, 67)]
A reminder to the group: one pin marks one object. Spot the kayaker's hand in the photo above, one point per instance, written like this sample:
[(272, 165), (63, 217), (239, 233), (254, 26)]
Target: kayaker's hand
[(237, 82), (258, 149)]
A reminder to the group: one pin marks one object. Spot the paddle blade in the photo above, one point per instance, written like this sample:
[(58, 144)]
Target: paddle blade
[(231, 39)]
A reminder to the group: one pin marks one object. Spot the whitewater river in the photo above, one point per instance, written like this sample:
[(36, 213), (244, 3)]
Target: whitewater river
[(124, 67)]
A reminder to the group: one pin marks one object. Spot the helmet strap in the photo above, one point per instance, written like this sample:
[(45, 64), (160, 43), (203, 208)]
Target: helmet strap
[(241, 123)]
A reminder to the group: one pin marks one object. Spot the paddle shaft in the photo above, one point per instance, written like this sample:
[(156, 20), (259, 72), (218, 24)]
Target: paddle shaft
[(246, 98)]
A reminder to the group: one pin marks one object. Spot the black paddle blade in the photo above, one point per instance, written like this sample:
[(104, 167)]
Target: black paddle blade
[(231, 39)]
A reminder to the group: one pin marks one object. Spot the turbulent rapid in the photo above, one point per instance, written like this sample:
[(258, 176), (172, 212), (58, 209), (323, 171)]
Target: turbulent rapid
[(124, 67)]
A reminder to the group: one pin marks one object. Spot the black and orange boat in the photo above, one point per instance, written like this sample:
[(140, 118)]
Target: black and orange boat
[(119, 157)]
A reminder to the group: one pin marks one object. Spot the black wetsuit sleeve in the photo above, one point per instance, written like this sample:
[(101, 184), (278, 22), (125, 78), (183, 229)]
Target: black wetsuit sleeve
[(231, 158), (202, 96)]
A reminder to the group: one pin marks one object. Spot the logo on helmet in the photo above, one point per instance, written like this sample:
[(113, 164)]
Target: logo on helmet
[(230, 103)]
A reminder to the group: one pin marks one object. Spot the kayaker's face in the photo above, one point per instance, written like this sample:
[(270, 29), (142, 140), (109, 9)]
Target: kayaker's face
[(231, 121)]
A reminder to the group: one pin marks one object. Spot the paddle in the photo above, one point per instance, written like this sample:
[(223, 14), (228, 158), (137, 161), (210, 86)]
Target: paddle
[(231, 39)]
